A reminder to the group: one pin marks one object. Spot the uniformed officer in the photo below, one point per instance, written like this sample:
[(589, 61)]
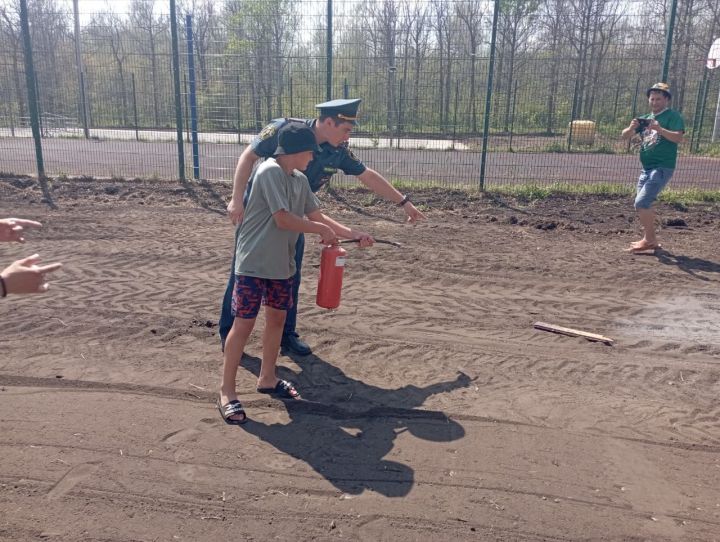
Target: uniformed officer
[(336, 120)]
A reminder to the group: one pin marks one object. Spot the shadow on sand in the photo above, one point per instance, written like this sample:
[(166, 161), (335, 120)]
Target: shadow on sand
[(343, 428), (687, 264)]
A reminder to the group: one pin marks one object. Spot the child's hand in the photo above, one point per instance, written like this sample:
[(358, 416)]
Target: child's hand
[(328, 236), (366, 240)]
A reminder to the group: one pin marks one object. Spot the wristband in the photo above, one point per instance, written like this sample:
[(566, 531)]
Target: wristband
[(403, 201), (4, 287)]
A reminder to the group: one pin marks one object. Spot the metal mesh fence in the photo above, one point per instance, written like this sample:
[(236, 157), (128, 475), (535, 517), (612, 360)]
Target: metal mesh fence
[(567, 78)]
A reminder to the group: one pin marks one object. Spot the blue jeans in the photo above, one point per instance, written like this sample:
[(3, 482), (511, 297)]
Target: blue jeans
[(650, 183), (226, 316)]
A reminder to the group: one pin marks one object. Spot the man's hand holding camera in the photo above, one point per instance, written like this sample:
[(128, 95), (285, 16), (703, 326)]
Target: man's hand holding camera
[(641, 124)]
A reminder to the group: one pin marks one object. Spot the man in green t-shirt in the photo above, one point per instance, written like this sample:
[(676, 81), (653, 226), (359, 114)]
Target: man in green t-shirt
[(280, 207), (660, 131)]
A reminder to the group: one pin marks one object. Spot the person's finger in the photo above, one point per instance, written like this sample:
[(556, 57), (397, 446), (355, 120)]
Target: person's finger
[(43, 287), (30, 260), (49, 268), (25, 223)]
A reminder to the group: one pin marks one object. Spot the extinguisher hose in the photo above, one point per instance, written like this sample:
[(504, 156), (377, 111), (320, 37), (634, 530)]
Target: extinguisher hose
[(383, 241)]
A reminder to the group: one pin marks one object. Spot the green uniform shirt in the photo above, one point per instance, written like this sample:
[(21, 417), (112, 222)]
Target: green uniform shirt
[(656, 151), (263, 250)]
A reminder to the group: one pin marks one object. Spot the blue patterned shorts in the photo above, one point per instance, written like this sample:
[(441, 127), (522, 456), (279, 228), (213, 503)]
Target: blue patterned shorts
[(250, 292)]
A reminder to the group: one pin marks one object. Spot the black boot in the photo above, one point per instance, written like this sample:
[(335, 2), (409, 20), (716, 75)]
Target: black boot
[(291, 343)]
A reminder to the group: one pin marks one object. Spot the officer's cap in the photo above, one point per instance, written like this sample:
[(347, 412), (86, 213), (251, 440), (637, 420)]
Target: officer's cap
[(660, 87), (294, 138), (345, 110)]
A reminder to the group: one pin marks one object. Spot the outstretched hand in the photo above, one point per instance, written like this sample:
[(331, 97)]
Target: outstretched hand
[(26, 277), (12, 229), (413, 213)]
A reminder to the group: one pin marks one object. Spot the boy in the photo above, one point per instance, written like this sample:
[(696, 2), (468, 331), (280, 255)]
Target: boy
[(265, 261)]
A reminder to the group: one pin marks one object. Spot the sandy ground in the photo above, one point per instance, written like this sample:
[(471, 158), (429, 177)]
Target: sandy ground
[(432, 409)]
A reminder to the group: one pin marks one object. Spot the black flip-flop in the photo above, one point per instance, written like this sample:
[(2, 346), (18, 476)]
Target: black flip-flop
[(284, 389), (233, 408)]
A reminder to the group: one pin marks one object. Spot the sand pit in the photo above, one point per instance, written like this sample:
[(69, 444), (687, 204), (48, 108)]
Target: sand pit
[(433, 409)]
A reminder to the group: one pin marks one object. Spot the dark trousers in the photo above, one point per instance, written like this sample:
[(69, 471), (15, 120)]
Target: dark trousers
[(226, 317)]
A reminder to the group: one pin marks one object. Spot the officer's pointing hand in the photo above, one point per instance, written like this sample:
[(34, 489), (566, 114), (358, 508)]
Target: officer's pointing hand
[(412, 212)]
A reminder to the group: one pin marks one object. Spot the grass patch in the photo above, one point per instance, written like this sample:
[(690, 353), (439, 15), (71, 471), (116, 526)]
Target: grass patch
[(690, 195), (532, 192)]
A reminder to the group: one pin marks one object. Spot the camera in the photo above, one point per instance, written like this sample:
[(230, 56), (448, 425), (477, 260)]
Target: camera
[(642, 124)]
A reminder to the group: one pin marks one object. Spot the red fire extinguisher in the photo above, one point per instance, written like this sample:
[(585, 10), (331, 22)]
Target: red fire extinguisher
[(332, 265)]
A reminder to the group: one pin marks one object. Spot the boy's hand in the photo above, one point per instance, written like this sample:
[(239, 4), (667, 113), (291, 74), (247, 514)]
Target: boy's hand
[(328, 236), (366, 240)]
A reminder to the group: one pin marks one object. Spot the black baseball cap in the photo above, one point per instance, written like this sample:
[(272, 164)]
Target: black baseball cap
[(295, 137)]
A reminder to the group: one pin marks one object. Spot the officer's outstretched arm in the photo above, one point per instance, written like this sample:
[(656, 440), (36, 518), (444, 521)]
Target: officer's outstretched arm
[(382, 187)]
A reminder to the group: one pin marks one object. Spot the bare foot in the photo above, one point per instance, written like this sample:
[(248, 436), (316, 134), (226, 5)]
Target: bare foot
[(640, 246)]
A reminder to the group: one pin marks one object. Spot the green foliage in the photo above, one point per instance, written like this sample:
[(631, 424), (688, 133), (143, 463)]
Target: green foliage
[(690, 195), (533, 192), (712, 150)]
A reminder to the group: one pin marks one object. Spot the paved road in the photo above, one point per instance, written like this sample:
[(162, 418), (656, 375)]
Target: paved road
[(446, 168)]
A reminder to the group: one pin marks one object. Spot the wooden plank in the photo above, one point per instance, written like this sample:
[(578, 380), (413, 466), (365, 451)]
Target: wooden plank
[(573, 332)]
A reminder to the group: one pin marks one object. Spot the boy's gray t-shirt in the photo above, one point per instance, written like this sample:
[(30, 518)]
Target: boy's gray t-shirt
[(263, 250)]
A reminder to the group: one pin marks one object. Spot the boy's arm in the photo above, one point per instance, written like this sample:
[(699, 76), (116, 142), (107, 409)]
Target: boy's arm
[(340, 230), (243, 170), (289, 221)]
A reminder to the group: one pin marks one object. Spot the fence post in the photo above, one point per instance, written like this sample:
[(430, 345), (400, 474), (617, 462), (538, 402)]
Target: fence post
[(290, 90), (716, 124), (176, 83), (31, 89), (239, 119), (703, 101), (135, 115), (668, 42), (329, 58), (78, 62), (512, 116), (488, 94), (455, 112), (186, 120), (193, 99)]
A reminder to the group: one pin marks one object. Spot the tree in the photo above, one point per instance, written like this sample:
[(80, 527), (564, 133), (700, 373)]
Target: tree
[(108, 31), (471, 14), (515, 26), (382, 29), (150, 26)]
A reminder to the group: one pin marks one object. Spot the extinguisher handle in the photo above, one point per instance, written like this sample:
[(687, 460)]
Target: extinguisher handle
[(383, 241)]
